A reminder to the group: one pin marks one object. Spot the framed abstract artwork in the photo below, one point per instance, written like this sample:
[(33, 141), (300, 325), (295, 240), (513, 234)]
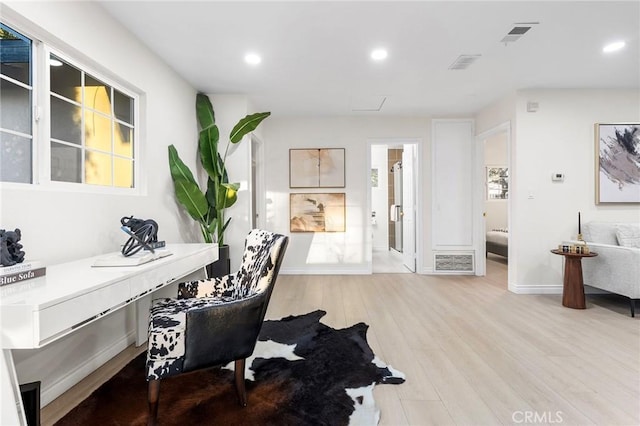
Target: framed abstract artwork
[(617, 163), (316, 168), (317, 212)]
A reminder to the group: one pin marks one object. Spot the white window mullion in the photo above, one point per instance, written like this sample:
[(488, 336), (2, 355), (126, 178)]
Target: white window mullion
[(83, 136), (36, 158), (71, 101), (137, 148), (16, 82), (16, 133), (42, 128), (113, 135)]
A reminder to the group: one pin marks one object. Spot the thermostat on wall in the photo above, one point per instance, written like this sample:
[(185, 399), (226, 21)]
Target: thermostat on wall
[(557, 177)]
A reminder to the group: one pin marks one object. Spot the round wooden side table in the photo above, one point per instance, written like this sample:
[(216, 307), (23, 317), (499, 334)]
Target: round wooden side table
[(573, 288)]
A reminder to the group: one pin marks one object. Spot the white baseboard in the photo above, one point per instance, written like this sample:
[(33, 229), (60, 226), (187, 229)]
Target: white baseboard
[(65, 383), (536, 289), (426, 271), (467, 273)]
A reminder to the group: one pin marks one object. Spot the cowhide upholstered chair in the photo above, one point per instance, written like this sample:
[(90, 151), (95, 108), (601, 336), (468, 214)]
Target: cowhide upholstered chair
[(215, 321)]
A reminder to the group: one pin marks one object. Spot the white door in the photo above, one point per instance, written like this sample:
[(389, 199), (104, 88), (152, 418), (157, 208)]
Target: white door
[(408, 208), (398, 175)]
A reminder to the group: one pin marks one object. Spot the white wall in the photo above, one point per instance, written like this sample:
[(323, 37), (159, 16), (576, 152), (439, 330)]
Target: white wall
[(229, 109), (499, 112), (379, 197), (347, 252), (559, 137), (59, 225)]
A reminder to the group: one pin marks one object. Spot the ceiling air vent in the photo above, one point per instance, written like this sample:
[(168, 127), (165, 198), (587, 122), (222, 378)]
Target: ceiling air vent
[(519, 29), (463, 62)]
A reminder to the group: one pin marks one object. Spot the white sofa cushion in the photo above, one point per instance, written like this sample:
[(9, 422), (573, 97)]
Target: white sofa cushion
[(617, 267), (600, 232), (628, 234)]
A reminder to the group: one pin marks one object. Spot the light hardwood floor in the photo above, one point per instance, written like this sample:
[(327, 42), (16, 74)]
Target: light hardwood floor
[(473, 353), (388, 261)]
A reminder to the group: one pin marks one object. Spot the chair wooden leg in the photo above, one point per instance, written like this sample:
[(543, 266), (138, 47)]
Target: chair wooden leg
[(240, 389), (154, 396)]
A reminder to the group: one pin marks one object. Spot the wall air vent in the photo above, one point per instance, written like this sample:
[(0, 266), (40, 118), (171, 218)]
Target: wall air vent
[(519, 29), (453, 263), (463, 62)]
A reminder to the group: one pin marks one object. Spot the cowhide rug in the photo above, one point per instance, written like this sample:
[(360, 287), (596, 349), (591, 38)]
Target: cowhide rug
[(302, 373)]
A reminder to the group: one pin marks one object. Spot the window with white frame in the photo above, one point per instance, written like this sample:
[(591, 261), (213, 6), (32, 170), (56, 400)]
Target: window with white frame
[(92, 128), (16, 106), (497, 183), (90, 134)]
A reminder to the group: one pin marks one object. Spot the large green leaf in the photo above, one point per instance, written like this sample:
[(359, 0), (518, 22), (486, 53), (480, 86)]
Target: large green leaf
[(211, 228), (177, 167), (208, 208), (212, 190), (231, 193), (193, 200), (246, 125), (208, 146), (204, 111), (225, 176), (221, 232)]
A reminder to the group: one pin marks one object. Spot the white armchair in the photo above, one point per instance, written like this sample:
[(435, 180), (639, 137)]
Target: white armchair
[(616, 268)]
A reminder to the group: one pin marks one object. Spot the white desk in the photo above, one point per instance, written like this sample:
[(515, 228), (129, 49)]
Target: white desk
[(37, 312)]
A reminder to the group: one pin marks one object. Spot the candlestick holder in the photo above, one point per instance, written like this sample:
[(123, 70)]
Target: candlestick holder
[(583, 248)]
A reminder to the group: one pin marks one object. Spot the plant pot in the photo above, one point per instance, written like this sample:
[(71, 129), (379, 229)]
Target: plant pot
[(222, 266)]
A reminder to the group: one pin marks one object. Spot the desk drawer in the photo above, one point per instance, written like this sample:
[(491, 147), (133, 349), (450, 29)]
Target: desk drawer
[(152, 279), (164, 274), (62, 317)]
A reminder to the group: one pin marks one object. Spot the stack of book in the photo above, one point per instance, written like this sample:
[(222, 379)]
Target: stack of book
[(21, 272)]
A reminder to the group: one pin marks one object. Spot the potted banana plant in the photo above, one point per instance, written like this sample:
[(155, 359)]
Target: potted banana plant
[(208, 207)]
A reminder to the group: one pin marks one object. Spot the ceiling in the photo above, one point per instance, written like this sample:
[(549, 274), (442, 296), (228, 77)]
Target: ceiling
[(315, 55)]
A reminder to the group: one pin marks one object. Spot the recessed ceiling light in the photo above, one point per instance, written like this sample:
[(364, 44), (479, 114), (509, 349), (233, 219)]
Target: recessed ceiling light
[(379, 54), (612, 47), (252, 59), (55, 62)]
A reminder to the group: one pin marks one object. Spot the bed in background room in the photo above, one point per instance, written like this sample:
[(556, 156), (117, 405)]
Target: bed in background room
[(498, 242)]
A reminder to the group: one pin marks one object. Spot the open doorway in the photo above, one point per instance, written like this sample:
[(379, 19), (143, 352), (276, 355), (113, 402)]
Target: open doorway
[(493, 149), (392, 206)]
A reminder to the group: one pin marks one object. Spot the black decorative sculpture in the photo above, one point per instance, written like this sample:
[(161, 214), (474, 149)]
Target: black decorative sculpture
[(142, 234), (10, 248)]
